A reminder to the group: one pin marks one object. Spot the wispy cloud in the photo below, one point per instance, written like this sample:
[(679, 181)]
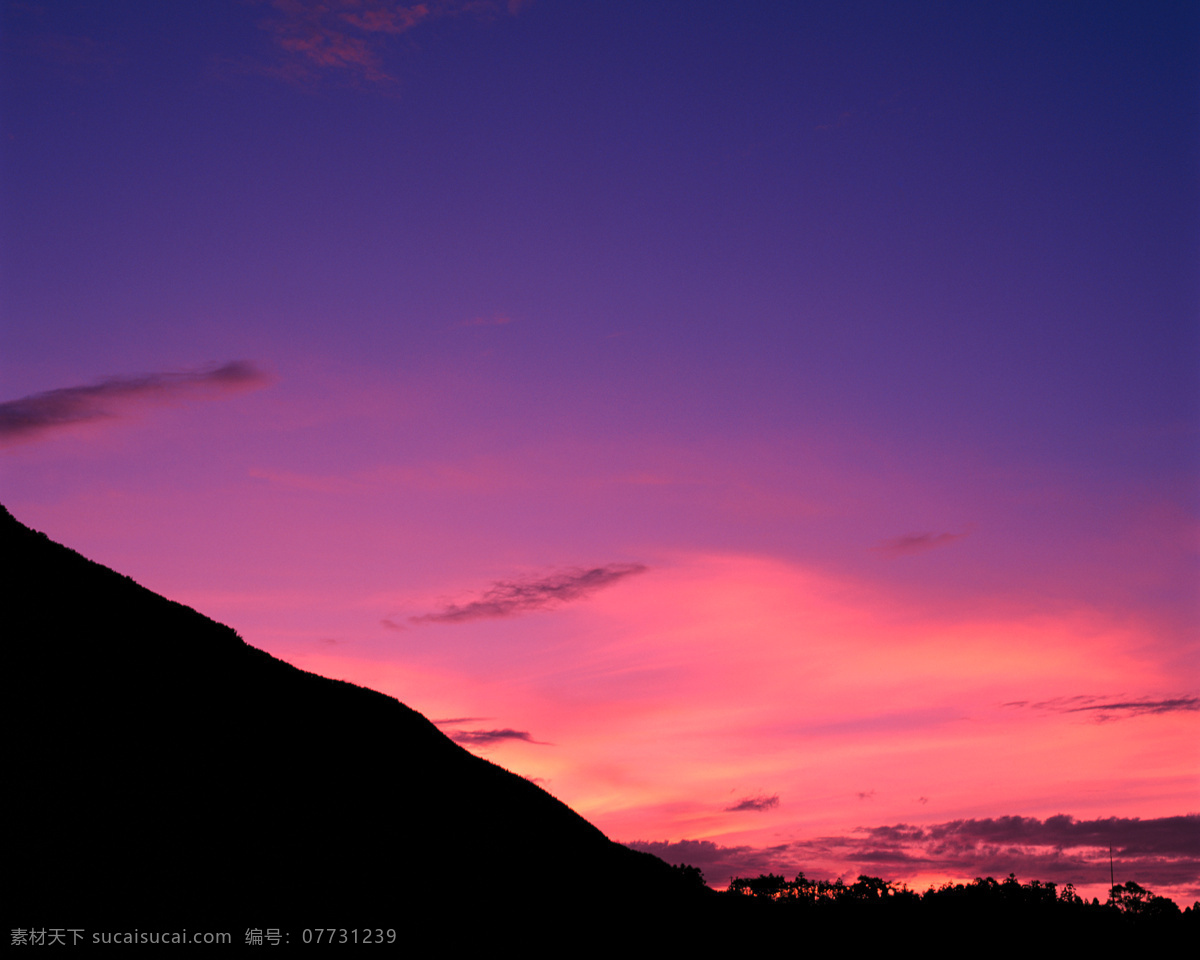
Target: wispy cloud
[(1102, 709), (39, 413), (488, 737), (754, 803), (912, 543), (348, 36), (508, 598), (449, 721), (483, 738)]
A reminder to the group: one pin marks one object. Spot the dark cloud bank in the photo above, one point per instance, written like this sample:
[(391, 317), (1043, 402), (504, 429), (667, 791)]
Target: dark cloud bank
[(509, 598), (1163, 852), (31, 417)]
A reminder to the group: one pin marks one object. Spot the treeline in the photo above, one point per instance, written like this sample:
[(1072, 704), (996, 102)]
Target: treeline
[(1005, 911), (1128, 899)]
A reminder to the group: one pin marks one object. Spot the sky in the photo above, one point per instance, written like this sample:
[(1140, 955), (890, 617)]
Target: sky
[(772, 428)]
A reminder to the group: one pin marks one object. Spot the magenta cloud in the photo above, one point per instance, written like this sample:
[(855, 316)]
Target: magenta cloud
[(33, 416), (508, 598)]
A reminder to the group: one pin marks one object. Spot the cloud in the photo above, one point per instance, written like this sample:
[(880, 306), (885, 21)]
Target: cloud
[(718, 863), (487, 737), (1126, 835), (452, 720), (483, 737), (1162, 852), (39, 413), (508, 598), (317, 36), (754, 803), (912, 543), (1135, 708), (1104, 709)]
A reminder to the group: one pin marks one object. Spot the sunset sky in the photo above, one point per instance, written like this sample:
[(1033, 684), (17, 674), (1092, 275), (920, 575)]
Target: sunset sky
[(772, 427)]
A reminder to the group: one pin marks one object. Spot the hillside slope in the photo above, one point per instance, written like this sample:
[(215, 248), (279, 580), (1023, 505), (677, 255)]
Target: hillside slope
[(163, 768)]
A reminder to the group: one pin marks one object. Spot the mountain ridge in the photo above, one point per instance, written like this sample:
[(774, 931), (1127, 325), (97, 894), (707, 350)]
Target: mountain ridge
[(168, 769)]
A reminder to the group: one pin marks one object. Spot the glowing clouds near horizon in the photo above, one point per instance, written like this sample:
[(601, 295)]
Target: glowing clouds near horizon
[(744, 699)]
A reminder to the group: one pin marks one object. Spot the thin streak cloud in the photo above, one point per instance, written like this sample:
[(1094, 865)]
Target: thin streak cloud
[(488, 737), (912, 543), (1103, 709), (754, 803), (508, 598), (455, 720), (33, 416)]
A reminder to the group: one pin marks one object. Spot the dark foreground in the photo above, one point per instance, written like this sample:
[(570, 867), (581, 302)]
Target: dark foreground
[(162, 773), (984, 916), (163, 776)]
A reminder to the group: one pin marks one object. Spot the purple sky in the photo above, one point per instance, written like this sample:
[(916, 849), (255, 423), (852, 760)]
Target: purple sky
[(744, 415)]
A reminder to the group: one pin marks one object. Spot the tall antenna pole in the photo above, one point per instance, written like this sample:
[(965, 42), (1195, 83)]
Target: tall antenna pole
[(1112, 882)]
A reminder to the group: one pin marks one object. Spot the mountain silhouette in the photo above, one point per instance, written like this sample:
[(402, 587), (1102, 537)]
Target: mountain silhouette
[(166, 771)]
